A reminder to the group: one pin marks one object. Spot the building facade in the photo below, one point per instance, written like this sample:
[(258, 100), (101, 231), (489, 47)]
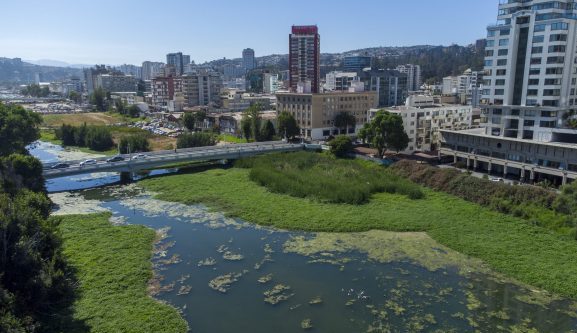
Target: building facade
[(390, 86), (356, 63), (413, 76), (529, 93), (202, 88), (115, 83), (164, 89), (342, 81), (178, 60), (304, 59), (248, 60), (315, 113), (151, 69)]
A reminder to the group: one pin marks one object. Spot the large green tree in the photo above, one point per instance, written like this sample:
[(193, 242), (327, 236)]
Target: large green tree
[(287, 125), (99, 99), (134, 144), (251, 122), (188, 120), (344, 120), (267, 131), (385, 132), (18, 128)]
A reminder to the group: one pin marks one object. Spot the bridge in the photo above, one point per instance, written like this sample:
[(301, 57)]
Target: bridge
[(167, 157)]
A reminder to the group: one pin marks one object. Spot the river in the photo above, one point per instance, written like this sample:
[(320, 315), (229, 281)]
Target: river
[(227, 275)]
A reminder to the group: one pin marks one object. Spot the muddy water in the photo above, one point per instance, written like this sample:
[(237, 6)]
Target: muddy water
[(226, 275)]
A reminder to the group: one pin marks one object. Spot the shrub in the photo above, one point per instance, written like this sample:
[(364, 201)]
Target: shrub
[(134, 144), (199, 139), (321, 177), (341, 146)]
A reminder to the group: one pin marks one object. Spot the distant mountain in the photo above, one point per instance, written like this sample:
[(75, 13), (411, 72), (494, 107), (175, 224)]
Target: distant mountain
[(21, 72), (56, 63)]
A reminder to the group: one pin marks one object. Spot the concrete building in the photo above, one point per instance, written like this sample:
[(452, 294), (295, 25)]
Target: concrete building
[(151, 69), (413, 76), (423, 119), (271, 83), (131, 70), (248, 61), (390, 85), (304, 59), (115, 82), (529, 94), (343, 81), (356, 63), (201, 88), (178, 60), (164, 90), (466, 86), (315, 113)]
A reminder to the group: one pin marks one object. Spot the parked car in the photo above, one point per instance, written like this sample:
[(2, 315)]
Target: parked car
[(496, 179), (88, 162), (116, 158), (60, 166)]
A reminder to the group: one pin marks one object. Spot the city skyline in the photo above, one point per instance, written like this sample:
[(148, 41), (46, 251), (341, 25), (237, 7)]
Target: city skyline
[(132, 32)]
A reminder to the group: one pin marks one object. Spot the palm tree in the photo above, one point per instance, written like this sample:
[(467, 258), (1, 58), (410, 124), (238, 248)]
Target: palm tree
[(345, 120)]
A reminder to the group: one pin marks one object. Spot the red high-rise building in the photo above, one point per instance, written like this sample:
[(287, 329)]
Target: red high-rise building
[(304, 58)]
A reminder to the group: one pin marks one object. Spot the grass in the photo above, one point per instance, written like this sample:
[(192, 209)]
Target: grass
[(114, 267), (530, 254), (230, 139), (90, 118), (324, 178)]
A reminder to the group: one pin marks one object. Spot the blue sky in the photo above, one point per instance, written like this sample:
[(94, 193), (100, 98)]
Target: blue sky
[(131, 31)]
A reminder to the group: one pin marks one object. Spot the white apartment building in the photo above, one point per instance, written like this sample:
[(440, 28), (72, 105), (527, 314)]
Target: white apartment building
[(413, 76), (529, 94), (423, 120), (271, 83), (341, 81)]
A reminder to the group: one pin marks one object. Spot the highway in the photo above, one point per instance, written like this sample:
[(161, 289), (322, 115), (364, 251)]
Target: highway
[(167, 157)]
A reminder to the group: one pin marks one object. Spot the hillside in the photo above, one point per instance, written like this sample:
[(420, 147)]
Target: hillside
[(17, 71)]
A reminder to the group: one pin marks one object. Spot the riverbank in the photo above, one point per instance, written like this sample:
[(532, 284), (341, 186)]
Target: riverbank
[(113, 265), (530, 254)]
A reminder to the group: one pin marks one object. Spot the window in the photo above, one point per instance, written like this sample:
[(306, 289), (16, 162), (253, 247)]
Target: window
[(533, 82), (538, 39), (558, 38), (556, 48), (488, 63), (486, 82), (552, 92), (501, 72), (502, 62), (535, 61), (504, 32), (534, 71), (531, 102), (500, 82), (554, 70), (499, 92), (490, 43), (549, 82), (532, 92), (491, 33), (539, 27), (555, 60), (503, 52), (528, 122), (559, 26), (537, 49), (504, 42), (488, 53)]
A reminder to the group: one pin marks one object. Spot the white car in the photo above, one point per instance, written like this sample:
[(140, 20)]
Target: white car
[(87, 162), (138, 157), (497, 179)]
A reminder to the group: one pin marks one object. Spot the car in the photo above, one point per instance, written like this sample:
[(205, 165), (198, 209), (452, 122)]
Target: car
[(116, 158), (497, 179), (60, 166), (138, 157), (87, 162)]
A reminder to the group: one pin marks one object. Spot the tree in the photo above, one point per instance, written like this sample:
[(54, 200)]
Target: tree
[(133, 111), (287, 125), (384, 132), (267, 131), (74, 96), (98, 99), (98, 138), (18, 128), (341, 146), (251, 121), (134, 144), (344, 120), (120, 106), (199, 139), (188, 121), (199, 118)]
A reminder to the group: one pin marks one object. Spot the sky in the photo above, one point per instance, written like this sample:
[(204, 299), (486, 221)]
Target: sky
[(132, 31)]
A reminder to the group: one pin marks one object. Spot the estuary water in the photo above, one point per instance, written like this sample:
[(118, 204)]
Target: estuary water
[(227, 275)]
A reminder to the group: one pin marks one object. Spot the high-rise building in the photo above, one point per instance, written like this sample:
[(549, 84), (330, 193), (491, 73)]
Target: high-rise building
[(413, 76), (270, 83), (151, 69), (304, 58), (342, 81), (390, 85), (529, 95), (178, 60), (164, 90), (248, 61), (356, 63), (201, 88)]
